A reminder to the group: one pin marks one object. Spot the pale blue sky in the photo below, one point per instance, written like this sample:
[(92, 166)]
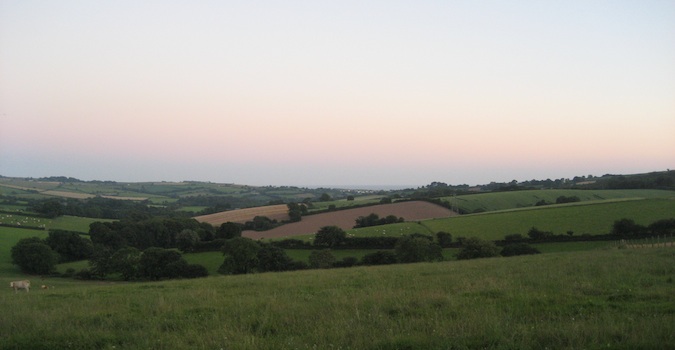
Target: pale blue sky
[(336, 93)]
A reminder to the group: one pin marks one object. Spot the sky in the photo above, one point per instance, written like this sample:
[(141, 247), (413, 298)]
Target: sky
[(336, 93)]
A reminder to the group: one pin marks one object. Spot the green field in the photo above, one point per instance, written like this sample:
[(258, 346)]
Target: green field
[(580, 218), (600, 299), (522, 199), (576, 295)]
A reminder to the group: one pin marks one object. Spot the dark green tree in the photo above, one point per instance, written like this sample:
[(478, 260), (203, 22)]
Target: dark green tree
[(537, 234), (104, 233), (662, 227), (380, 257), (157, 263), (329, 236), (474, 248), (444, 239), (229, 230), (101, 261), (414, 248), (69, 245), (241, 256), (126, 261), (627, 228), (186, 240), (321, 259), (34, 256), (519, 249), (295, 211), (272, 258)]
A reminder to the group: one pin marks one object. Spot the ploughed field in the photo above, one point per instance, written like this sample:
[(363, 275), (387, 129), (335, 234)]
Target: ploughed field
[(346, 219)]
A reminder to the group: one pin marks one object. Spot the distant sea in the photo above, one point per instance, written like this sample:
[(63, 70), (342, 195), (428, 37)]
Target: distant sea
[(371, 187)]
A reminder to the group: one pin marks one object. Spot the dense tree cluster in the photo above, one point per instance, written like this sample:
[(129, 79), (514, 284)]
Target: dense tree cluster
[(101, 208), (375, 220), (34, 256)]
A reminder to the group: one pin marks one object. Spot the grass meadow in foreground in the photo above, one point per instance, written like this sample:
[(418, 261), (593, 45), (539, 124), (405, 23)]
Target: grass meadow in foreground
[(594, 299)]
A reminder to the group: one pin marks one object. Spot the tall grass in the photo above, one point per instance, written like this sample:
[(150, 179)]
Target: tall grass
[(600, 299)]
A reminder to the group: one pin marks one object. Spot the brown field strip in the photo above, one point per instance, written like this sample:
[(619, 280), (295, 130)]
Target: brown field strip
[(75, 195), (345, 219), (275, 212)]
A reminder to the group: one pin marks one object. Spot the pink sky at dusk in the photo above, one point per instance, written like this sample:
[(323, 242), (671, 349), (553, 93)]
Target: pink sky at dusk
[(336, 93)]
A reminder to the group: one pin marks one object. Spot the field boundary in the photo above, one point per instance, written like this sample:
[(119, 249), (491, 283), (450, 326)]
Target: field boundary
[(650, 242)]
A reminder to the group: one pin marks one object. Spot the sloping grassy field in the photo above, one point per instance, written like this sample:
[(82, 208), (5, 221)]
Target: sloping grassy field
[(580, 218), (521, 199), (597, 299)]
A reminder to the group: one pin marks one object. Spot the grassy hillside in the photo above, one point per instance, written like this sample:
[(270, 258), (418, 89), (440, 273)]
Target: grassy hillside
[(201, 194), (493, 201), (595, 218), (599, 299)]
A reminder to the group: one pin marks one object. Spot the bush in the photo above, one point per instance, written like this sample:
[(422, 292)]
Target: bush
[(519, 249), (381, 257), (194, 271), (513, 237), (84, 274), (69, 245), (321, 259), (272, 258), (157, 263), (34, 256), (349, 261), (627, 228), (241, 256), (475, 248), (416, 248), (444, 239), (537, 234), (329, 236)]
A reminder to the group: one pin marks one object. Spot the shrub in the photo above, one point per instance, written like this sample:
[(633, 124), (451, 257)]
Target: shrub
[(416, 248), (348, 261), (329, 236), (519, 249), (513, 237), (194, 271), (272, 258), (475, 248), (241, 256), (537, 234), (627, 228), (381, 257), (34, 256), (321, 259), (444, 239)]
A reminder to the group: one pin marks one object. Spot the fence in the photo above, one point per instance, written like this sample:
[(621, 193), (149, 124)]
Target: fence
[(649, 242)]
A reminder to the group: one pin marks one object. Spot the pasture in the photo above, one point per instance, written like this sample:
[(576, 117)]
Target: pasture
[(580, 218), (492, 201), (598, 299)]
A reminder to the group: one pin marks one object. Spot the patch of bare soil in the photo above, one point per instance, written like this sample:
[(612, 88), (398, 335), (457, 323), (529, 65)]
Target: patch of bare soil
[(346, 219)]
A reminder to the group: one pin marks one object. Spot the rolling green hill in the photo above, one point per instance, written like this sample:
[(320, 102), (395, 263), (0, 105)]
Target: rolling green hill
[(482, 202), (580, 218), (602, 298)]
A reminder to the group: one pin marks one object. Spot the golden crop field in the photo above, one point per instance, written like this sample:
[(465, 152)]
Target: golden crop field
[(275, 212)]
